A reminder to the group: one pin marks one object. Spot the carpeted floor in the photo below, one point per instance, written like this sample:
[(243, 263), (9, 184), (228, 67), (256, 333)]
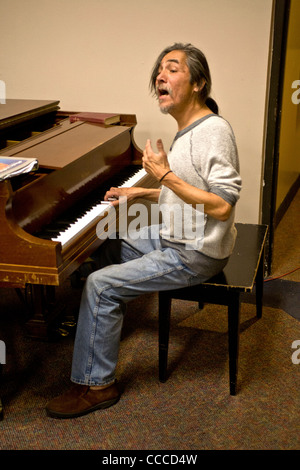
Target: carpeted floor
[(193, 409)]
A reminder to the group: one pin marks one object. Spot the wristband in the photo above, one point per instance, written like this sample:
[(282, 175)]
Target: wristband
[(170, 171)]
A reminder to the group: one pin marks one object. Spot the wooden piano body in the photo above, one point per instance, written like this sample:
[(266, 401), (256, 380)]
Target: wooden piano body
[(77, 162)]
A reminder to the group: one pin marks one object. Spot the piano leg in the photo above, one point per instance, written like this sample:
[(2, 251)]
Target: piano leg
[(40, 303)]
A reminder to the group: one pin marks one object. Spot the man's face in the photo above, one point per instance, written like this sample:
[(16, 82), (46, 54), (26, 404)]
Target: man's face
[(173, 87)]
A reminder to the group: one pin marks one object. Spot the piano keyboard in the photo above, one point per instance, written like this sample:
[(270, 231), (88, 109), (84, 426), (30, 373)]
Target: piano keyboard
[(88, 218)]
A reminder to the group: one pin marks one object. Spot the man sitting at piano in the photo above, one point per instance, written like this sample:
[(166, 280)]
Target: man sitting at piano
[(201, 172)]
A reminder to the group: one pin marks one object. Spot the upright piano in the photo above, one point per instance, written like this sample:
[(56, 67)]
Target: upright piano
[(48, 218)]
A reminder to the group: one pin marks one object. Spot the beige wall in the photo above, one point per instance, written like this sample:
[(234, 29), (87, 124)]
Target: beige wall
[(289, 148), (97, 55)]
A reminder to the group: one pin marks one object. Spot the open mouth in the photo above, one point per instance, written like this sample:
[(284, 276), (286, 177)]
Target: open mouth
[(163, 92)]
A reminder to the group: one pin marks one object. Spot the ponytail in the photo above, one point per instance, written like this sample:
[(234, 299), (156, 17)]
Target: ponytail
[(212, 105)]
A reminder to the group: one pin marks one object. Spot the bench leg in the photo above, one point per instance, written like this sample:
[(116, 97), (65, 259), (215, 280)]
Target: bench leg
[(233, 340), (259, 281), (164, 329)]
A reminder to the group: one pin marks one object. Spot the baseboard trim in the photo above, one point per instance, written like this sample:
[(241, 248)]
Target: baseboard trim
[(287, 201)]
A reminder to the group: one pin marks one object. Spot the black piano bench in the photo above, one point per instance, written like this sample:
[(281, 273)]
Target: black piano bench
[(245, 269)]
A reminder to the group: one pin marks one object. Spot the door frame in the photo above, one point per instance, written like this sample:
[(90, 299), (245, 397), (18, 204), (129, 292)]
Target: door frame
[(280, 20)]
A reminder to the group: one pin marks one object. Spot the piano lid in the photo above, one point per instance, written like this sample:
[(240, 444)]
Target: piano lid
[(65, 143), (14, 112), (80, 156)]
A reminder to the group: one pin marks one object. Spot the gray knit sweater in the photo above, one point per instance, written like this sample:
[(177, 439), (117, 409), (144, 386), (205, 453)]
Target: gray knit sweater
[(205, 156)]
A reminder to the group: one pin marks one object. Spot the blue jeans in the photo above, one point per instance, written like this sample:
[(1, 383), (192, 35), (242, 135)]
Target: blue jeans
[(139, 266)]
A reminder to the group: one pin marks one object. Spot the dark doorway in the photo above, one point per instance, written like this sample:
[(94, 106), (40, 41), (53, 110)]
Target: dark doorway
[(278, 53)]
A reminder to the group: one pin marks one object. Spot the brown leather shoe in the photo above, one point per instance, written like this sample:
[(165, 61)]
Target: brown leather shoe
[(80, 400)]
